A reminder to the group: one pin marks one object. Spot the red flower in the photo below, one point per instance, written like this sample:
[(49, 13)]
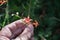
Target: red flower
[(2, 2), (35, 23), (27, 20)]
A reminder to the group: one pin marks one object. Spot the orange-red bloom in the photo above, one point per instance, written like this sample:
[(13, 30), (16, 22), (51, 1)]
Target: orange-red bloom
[(2, 2), (35, 23), (27, 20)]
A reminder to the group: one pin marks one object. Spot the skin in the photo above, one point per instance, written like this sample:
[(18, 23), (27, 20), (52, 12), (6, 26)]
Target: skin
[(10, 31)]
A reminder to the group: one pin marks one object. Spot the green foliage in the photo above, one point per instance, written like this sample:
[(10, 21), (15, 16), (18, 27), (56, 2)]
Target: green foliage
[(46, 12)]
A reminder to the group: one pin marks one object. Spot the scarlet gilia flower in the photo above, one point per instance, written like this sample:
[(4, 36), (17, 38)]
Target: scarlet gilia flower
[(27, 20), (2, 2), (35, 23)]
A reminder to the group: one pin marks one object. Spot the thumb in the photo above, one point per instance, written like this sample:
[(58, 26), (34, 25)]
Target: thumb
[(27, 33), (4, 38)]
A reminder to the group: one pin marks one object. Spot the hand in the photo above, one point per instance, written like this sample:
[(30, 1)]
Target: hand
[(18, 30)]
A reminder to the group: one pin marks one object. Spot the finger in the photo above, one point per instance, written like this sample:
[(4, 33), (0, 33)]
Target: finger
[(9, 29), (27, 33), (28, 29), (18, 32), (15, 25), (5, 32), (4, 38), (32, 38), (20, 27)]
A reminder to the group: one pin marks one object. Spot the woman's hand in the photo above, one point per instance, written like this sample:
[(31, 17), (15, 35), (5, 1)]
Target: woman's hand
[(24, 32)]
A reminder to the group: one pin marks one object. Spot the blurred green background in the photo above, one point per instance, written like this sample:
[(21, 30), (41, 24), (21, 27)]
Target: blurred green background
[(46, 12)]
